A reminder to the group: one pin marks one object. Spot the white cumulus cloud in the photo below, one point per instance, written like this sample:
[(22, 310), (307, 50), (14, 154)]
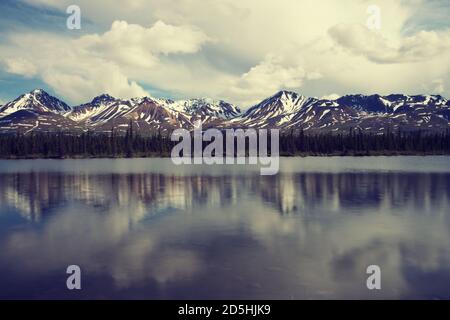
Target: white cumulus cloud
[(138, 46), (270, 75), (21, 67), (81, 68), (376, 47), (241, 51)]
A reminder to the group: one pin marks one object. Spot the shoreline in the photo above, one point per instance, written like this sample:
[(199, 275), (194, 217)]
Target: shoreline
[(284, 155)]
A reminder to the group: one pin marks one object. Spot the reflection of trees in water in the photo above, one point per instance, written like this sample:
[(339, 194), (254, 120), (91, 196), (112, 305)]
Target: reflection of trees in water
[(34, 194), (95, 219), (358, 190)]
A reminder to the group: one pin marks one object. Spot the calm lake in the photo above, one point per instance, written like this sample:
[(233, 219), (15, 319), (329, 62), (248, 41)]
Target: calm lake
[(147, 229)]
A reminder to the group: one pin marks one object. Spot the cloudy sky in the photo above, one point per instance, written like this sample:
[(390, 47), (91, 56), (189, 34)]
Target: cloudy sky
[(237, 50)]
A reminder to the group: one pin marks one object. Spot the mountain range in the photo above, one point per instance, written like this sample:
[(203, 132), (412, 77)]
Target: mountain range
[(38, 111)]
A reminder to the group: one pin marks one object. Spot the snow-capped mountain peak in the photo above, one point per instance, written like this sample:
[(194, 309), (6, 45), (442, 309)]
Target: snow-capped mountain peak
[(205, 107), (103, 99), (286, 110), (283, 102), (390, 103), (37, 91), (88, 110), (37, 101)]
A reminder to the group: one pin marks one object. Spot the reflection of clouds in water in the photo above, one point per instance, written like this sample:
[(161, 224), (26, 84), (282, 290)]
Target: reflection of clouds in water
[(99, 243), (135, 265), (331, 253), (302, 235)]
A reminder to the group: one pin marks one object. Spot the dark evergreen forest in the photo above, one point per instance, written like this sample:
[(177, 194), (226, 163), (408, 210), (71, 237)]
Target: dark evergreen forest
[(86, 145)]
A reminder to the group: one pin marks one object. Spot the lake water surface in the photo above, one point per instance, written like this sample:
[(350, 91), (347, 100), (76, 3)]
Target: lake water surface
[(146, 229)]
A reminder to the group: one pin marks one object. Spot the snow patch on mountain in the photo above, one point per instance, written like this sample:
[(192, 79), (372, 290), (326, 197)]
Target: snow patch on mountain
[(286, 110), (36, 100)]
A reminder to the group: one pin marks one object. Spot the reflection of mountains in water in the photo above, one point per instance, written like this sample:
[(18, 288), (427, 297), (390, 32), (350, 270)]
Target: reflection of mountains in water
[(36, 194)]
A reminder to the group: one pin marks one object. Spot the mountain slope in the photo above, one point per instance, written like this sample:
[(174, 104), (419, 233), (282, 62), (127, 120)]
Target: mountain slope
[(146, 115), (90, 109), (276, 110), (37, 111), (205, 109), (38, 101)]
